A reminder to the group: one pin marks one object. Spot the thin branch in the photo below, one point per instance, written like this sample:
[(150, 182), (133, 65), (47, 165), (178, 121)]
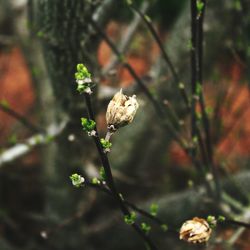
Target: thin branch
[(165, 56), (126, 38), (109, 176), (104, 189), (206, 122), (193, 73)]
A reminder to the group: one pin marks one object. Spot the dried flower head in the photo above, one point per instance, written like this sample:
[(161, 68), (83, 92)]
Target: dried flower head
[(196, 230), (121, 110)]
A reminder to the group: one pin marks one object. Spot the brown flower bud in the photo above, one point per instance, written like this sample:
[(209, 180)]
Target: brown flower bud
[(196, 230), (121, 110)]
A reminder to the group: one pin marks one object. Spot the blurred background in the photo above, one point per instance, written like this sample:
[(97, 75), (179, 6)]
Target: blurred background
[(42, 142)]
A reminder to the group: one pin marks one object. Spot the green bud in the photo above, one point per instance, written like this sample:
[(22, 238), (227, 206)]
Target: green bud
[(154, 209), (95, 181), (195, 139), (199, 5), (198, 89), (130, 219), (77, 180), (164, 227), (145, 227), (221, 218), (82, 72), (148, 19), (211, 221), (106, 144), (102, 174), (88, 124), (209, 110), (129, 2)]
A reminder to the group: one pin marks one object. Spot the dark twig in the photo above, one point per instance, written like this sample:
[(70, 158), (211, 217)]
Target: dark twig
[(109, 177), (165, 56), (205, 119), (237, 223), (129, 204), (193, 73)]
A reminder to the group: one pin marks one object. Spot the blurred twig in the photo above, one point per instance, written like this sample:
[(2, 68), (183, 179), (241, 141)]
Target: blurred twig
[(126, 39), (166, 58)]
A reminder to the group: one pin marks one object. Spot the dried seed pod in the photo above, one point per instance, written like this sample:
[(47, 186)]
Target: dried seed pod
[(121, 110), (196, 230)]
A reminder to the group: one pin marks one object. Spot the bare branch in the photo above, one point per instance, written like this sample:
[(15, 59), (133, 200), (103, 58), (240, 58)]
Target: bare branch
[(22, 149)]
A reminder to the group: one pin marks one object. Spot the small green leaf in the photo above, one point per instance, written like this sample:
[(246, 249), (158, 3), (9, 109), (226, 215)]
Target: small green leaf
[(198, 89), (195, 139), (129, 2), (221, 218), (154, 209), (102, 174), (145, 227), (164, 227), (95, 181), (199, 6), (40, 34), (130, 219), (211, 221), (190, 45)]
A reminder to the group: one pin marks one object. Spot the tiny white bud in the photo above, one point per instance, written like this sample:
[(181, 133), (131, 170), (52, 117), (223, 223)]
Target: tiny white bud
[(88, 91), (121, 110), (92, 133)]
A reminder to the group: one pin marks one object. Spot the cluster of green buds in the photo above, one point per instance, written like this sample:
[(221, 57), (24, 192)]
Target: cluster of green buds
[(83, 79), (106, 145), (89, 125), (77, 180)]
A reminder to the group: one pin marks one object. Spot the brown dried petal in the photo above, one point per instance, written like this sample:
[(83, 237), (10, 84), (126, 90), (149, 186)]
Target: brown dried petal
[(121, 110), (196, 230)]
